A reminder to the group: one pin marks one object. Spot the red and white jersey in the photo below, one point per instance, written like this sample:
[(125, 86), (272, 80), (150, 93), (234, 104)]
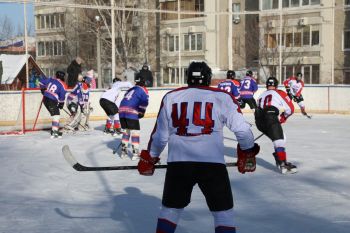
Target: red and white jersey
[(278, 99), (296, 86), (191, 121), (113, 93)]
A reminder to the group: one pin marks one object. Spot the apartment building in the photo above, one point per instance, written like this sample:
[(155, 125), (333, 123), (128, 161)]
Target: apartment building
[(64, 33), (308, 36)]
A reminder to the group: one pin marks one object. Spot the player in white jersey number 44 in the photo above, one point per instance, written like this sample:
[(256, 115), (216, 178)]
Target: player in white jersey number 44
[(191, 121)]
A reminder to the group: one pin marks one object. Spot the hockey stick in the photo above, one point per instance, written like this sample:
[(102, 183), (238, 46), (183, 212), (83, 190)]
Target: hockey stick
[(67, 154), (254, 138)]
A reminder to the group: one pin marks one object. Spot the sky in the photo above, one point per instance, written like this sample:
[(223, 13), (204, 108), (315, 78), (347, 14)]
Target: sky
[(41, 193), (16, 13)]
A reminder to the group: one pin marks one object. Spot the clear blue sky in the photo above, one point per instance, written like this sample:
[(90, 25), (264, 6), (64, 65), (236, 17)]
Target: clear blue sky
[(15, 12)]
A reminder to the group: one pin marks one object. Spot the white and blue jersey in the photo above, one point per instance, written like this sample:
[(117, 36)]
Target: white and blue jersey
[(135, 101), (80, 94), (55, 89), (248, 87), (230, 87)]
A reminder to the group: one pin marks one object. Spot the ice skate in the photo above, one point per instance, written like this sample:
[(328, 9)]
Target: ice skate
[(117, 132), (108, 131), (124, 152), (56, 134), (285, 167), (135, 154)]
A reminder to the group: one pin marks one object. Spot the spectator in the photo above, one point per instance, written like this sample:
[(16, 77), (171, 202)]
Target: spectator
[(146, 75), (73, 70)]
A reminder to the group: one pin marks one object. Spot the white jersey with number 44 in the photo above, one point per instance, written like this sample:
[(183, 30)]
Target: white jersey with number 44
[(191, 121)]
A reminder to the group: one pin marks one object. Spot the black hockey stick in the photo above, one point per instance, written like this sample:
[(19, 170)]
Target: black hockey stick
[(254, 138), (79, 167)]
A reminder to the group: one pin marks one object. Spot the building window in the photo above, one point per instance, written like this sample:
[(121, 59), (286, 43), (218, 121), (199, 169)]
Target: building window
[(346, 39), (346, 2), (295, 3), (346, 77), (50, 48), (171, 44), (236, 8), (193, 42), (199, 5), (50, 21), (306, 36), (269, 4), (315, 37)]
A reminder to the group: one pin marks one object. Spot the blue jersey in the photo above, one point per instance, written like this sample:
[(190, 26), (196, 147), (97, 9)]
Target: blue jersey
[(55, 89), (80, 94), (230, 87), (248, 87), (135, 101)]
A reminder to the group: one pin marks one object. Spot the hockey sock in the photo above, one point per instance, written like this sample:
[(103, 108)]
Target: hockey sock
[(135, 139), (126, 137), (223, 221), (108, 123), (280, 153), (116, 124), (165, 226), (55, 122)]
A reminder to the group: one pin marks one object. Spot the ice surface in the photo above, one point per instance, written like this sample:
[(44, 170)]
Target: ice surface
[(41, 193)]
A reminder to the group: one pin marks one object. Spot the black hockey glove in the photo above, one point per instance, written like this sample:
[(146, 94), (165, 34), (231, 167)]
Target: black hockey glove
[(43, 90), (141, 115), (60, 105)]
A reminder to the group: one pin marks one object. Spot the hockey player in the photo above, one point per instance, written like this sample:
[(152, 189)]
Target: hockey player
[(109, 101), (247, 89), (132, 108), (54, 91), (78, 105), (191, 121), (230, 84), (271, 104), (295, 86)]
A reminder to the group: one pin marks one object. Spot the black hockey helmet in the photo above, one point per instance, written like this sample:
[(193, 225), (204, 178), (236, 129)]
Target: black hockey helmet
[(231, 74), (249, 73), (299, 75), (116, 80), (60, 75), (140, 80), (198, 73), (271, 82)]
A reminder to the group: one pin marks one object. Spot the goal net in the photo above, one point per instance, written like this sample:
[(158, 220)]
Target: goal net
[(30, 116)]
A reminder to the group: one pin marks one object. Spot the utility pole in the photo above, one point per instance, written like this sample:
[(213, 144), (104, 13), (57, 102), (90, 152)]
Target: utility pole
[(26, 41), (113, 39), (98, 47)]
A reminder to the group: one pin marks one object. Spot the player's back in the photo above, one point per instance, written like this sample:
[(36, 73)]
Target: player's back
[(197, 117)]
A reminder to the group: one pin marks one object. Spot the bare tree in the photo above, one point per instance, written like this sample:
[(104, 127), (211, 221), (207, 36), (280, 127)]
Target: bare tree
[(6, 28)]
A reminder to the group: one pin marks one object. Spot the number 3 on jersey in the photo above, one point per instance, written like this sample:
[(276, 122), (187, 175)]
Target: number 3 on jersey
[(181, 121)]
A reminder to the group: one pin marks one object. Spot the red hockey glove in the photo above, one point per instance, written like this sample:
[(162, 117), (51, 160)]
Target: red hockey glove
[(283, 118), (146, 163), (246, 158)]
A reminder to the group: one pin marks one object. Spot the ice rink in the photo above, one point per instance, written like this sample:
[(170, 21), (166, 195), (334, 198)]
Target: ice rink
[(41, 193)]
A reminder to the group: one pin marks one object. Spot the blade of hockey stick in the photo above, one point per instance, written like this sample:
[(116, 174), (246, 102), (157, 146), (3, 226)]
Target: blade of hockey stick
[(79, 167)]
